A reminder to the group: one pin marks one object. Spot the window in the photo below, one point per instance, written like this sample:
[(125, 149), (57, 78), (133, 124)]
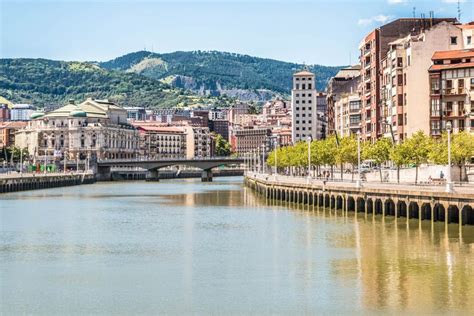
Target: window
[(297, 102), (297, 109), (454, 40), (472, 83), (399, 80), (400, 99), (297, 86), (297, 115), (303, 86), (469, 40), (399, 62), (434, 86), (309, 86), (435, 110), (309, 101)]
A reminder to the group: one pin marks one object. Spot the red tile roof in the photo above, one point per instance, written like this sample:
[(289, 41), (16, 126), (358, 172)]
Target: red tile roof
[(451, 66), (453, 54)]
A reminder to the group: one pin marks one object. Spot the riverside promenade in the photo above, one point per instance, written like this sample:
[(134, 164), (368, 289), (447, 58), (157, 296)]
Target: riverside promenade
[(29, 181), (423, 202)]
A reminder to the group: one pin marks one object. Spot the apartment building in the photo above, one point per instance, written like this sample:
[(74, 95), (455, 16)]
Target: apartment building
[(198, 142), (162, 142), (452, 91), (304, 107), (247, 139), (404, 82), (348, 115), (373, 49), (344, 82)]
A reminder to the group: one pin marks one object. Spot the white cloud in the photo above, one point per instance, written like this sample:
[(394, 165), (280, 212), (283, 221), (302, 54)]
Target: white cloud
[(377, 18), (397, 1)]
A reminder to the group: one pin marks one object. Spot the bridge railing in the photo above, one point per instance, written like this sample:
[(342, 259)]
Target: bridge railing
[(141, 159)]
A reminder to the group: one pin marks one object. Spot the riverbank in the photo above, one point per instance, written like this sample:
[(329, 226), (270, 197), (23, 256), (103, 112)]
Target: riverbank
[(408, 201), (23, 182)]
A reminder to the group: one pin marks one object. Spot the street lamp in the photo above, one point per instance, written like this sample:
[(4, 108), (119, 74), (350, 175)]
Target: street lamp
[(308, 140), (276, 156), (263, 158), (358, 181), (449, 183)]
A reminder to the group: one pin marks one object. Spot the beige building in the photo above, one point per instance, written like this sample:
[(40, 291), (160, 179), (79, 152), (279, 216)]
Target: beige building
[(303, 106), (348, 115), (405, 104), (452, 91), (94, 129), (245, 140), (163, 141)]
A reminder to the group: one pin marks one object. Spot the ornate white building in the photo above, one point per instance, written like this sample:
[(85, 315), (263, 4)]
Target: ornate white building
[(94, 129)]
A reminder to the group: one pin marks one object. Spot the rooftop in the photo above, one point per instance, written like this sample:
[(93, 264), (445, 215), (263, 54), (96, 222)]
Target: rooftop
[(453, 54)]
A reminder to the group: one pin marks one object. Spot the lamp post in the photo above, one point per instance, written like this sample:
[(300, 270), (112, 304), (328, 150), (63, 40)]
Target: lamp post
[(449, 183), (308, 140), (65, 161), (358, 181), (263, 158), (276, 156), (21, 160)]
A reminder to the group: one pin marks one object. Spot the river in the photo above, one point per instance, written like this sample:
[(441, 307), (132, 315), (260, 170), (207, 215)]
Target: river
[(182, 246)]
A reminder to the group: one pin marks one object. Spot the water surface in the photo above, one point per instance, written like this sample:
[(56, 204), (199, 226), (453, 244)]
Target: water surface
[(181, 246)]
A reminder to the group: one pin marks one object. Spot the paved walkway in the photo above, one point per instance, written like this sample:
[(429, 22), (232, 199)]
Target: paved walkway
[(465, 189)]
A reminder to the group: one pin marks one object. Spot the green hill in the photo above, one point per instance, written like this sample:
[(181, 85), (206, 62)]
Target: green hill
[(51, 83), (217, 72)]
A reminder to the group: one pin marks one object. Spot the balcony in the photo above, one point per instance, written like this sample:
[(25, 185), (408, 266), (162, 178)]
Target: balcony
[(454, 91)]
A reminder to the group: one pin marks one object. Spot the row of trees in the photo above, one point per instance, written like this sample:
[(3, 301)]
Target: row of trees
[(417, 150)]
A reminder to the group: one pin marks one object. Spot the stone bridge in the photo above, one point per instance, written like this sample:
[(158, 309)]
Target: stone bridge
[(104, 167)]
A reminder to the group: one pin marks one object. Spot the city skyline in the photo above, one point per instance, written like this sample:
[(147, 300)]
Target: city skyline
[(70, 30)]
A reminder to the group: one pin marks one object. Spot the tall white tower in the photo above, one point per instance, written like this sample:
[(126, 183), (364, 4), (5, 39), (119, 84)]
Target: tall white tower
[(303, 106)]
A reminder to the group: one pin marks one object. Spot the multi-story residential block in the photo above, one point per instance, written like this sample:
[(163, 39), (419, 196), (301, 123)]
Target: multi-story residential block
[(136, 113), (303, 105), (92, 129), (451, 79), (21, 112), (245, 140), (236, 111), (7, 132), (220, 127), (347, 114), (373, 49), (198, 142), (218, 114), (404, 101), (346, 81), (468, 34), (4, 112), (162, 142)]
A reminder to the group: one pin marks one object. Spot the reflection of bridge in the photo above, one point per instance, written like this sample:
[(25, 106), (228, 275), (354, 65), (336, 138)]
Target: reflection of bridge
[(206, 164)]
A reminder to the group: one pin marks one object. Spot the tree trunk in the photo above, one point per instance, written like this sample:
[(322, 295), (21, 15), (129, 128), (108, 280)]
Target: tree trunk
[(352, 173), (398, 174), (380, 172), (342, 172), (416, 174), (460, 173)]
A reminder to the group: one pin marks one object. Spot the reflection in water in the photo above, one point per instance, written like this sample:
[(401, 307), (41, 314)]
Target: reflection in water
[(186, 247)]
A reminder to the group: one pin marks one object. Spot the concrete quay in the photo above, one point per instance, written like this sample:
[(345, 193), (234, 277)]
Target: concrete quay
[(23, 182), (423, 202)]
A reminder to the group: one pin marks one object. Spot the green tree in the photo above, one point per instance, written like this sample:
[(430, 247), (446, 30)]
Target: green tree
[(222, 146), (462, 150), (347, 153), (419, 146), (400, 156), (379, 152)]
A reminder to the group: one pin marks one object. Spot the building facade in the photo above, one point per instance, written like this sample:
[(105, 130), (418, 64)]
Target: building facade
[(94, 129), (304, 107), (452, 91), (248, 139)]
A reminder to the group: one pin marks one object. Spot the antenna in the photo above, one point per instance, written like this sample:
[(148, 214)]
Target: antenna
[(459, 10), (414, 12)]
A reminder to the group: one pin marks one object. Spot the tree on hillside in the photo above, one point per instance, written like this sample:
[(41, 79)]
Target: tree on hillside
[(379, 152)]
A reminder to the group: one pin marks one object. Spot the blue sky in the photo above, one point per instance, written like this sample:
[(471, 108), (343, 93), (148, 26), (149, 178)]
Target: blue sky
[(322, 32)]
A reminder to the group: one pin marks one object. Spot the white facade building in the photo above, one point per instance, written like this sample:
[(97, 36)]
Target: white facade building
[(303, 103)]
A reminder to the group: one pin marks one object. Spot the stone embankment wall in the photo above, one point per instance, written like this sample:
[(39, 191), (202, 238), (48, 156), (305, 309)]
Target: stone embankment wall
[(405, 201), (42, 181)]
